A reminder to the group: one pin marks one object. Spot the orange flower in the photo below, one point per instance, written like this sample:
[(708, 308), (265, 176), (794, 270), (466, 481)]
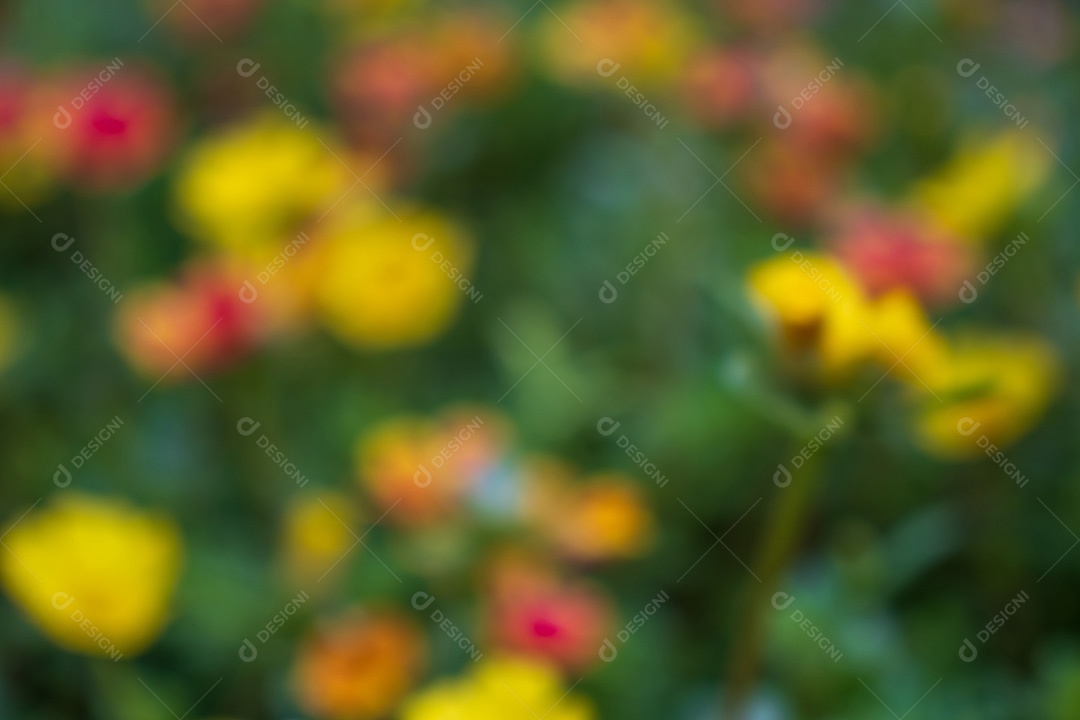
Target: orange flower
[(359, 666), (607, 520), (792, 180), (835, 117), (462, 38), (394, 463), (199, 318), (604, 518), (378, 87), (651, 41), (424, 467)]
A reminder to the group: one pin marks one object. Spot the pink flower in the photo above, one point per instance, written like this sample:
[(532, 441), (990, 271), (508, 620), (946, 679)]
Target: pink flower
[(534, 613), (113, 134), (890, 250)]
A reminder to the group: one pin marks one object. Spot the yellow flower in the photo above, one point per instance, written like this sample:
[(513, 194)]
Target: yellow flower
[(989, 387), (388, 282), (986, 182), (906, 342), (252, 185), (317, 533), (499, 689), (817, 309), (651, 42), (93, 574)]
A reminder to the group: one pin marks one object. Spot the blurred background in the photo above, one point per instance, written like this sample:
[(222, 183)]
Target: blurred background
[(564, 359)]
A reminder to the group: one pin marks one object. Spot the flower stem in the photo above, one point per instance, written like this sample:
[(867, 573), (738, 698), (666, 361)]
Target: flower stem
[(781, 535)]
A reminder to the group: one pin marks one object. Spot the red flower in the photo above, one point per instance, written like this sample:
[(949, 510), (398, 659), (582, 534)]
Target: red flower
[(534, 613), (114, 128), (199, 318), (892, 250)]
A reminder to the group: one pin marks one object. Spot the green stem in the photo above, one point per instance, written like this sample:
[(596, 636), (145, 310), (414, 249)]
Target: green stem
[(781, 534)]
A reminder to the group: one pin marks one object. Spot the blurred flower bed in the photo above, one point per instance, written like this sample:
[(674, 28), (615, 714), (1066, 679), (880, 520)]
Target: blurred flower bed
[(587, 359)]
